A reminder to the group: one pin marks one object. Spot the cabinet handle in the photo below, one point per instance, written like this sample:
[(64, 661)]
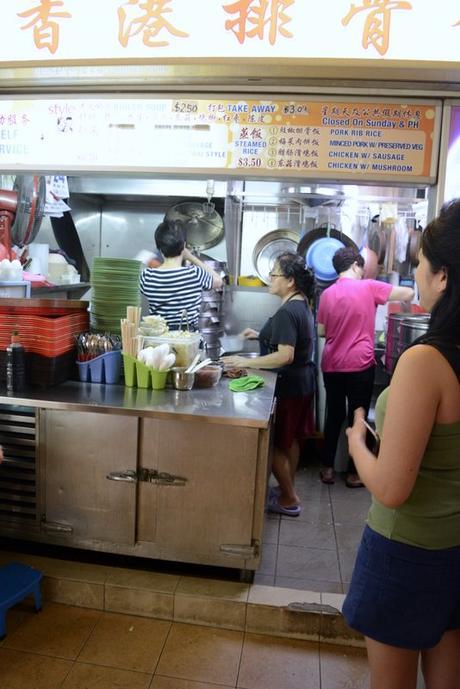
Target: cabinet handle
[(56, 527), (128, 476), (161, 478)]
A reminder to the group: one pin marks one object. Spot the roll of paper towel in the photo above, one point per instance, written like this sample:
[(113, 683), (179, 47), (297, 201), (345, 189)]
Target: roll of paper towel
[(39, 254)]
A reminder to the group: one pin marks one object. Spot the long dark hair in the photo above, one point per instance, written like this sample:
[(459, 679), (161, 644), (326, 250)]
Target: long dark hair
[(293, 266), (441, 247)]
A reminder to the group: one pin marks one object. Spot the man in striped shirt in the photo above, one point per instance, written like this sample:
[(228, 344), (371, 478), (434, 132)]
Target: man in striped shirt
[(172, 287)]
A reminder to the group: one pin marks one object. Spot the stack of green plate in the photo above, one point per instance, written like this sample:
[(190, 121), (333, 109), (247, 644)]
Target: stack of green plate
[(114, 286)]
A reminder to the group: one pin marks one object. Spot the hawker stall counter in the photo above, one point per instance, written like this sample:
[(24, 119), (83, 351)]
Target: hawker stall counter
[(178, 475)]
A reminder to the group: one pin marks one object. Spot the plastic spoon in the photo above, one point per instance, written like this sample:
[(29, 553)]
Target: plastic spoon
[(193, 364), (202, 364)]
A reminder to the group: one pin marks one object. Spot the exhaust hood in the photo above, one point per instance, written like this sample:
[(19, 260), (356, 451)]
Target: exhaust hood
[(132, 188)]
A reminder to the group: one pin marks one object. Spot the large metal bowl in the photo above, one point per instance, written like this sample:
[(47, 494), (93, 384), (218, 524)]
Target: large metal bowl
[(203, 225), (269, 247)]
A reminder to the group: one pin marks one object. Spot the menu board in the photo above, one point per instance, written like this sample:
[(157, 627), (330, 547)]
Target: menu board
[(337, 139)]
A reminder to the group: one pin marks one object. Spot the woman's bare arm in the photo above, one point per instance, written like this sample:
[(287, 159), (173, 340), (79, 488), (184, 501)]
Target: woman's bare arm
[(282, 357), (413, 399)]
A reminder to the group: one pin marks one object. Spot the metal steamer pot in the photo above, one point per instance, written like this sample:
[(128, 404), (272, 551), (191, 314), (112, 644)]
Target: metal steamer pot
[(402, 330), (392, 340), (210, 318), (412, 327)]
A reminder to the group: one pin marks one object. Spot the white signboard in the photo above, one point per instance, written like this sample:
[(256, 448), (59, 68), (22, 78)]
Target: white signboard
[(54, 31)]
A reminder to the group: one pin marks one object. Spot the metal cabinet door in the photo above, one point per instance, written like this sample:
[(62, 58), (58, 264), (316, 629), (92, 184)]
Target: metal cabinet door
[(80, 449), (214, 508)]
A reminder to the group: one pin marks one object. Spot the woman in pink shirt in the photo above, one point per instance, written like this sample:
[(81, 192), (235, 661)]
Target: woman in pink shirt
[(346, 318)]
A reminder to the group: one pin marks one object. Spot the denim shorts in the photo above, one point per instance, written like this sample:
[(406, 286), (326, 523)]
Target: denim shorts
[(401, 595)]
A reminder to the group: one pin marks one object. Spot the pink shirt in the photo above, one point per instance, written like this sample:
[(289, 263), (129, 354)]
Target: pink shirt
[(347, 311)]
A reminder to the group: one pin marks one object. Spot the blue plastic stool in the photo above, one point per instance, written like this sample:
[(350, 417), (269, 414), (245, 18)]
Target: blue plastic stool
[(16, 583)]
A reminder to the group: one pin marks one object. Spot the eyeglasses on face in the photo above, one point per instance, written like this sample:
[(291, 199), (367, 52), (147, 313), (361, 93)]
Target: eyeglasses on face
[(275, 275)]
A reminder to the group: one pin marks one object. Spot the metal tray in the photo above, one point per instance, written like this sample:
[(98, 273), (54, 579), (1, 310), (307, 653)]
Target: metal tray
[(269, 247)]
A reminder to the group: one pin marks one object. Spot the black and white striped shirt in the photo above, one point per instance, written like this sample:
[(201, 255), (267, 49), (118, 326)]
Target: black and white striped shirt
[(169, 292)]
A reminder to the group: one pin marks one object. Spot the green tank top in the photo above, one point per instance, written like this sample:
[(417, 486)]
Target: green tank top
[(430, 517)]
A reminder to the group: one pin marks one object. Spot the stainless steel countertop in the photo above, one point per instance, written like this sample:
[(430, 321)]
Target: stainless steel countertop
[(211, 405)]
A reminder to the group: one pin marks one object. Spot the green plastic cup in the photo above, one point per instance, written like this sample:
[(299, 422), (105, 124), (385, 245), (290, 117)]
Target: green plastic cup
[(143, 375), (159, 379), (129, 365)]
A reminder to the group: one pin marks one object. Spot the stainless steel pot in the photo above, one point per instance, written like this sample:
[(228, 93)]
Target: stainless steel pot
[(212, 295), (402, 330), (212, 335), (412, 327), (392, 340), (213, 351), (208, 321)]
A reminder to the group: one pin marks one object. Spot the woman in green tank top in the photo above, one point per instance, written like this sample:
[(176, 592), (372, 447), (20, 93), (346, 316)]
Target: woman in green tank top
[(405, 590)]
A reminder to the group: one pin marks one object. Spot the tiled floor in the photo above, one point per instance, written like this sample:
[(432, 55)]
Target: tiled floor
[(315, 551), (66, 647)]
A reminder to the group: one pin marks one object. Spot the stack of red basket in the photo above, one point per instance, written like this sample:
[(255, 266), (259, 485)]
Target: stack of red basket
[(47, 330)]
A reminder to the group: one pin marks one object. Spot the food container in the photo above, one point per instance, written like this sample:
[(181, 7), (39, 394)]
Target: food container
[(208, 376), (184, 344), (182, 380)]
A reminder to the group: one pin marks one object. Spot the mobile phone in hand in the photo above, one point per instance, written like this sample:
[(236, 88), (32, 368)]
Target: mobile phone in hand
[(372, 439)]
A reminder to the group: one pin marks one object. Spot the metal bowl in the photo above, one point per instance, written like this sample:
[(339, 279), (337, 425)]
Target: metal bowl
[(182, 380), (269, 247), (203, 225)]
